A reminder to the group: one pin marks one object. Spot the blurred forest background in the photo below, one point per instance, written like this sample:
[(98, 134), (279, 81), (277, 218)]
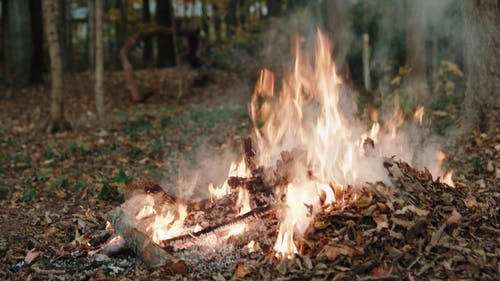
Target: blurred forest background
[(417, 50)]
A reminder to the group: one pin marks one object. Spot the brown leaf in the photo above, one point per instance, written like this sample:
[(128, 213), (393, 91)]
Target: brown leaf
[(470, 202), (242, 270), (381, 222), (363, 201), (331, 252), (381, 271), (455, 218), (419, 212), (31, 256)]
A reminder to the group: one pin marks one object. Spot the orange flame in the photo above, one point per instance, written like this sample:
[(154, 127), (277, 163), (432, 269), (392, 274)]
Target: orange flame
[(169, 225), (237, 169), (419, 115), (243, 202), (447, 178)]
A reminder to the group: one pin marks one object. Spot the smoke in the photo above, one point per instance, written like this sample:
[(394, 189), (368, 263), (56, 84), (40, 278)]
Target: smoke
[(388, 26)]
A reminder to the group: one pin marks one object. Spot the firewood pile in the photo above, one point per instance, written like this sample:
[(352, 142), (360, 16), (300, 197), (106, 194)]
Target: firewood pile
[(414, 229)]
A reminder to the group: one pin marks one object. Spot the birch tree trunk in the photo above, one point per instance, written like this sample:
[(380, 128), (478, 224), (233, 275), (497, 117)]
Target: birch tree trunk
[(482, 65), (57, 121), (99, 65)]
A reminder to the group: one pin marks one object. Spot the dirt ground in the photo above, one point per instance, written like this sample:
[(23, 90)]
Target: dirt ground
[(56, 189)]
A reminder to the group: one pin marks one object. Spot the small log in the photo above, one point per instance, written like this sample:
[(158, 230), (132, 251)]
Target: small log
[(149, 31), (254, 213), (149, 252), (250, 154)]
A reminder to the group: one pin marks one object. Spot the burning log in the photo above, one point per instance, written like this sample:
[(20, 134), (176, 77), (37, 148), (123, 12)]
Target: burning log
[(150, 253), (255, 213)]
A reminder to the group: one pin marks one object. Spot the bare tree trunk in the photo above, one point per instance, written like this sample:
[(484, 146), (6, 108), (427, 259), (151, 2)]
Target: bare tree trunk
[(99, 65), (166, 48), (122, 6), (147, 54), (336, 19), (18, 52), (37, 60), (57, 121), (91, 33), (366, 62), (416, 55), (482, 65), (217, 24), (274, 7), (231, 17), (65, 32)]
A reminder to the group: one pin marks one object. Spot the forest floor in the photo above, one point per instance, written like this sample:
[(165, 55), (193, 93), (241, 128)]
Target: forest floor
[(55, 189)]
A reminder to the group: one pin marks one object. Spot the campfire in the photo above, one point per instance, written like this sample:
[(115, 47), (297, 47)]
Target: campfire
[(309, 155)]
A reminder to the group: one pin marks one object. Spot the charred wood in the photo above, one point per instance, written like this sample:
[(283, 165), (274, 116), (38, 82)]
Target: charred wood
[(150, 253)]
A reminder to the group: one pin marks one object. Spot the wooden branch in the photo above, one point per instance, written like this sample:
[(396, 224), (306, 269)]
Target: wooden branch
[(254, 213), (140, 35), (149, 252)]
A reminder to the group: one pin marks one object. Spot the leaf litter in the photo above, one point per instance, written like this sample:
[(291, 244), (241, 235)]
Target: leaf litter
[(59, 188)]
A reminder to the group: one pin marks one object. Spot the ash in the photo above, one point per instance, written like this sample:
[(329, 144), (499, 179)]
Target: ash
[(211, 254)]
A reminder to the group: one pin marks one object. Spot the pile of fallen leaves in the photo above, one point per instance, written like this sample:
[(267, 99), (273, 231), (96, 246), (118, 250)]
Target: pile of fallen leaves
[(55, 190)]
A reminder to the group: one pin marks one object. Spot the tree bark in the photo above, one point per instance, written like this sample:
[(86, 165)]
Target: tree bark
[(122, 6), (18, 51), (274, 7), (231, 17), (99, 69), (416, 55), (166, 48), (336, 20), (482, 65), (57, 121), (149, 252), (91, 33), (147, 54), (65, 34), (37, 62)]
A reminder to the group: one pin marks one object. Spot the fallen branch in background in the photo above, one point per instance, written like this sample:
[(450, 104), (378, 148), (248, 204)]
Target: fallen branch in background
[(191, 33)]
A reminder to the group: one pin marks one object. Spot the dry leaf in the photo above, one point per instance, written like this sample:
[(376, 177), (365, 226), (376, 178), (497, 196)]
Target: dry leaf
[(381, 222), (419, 212), (242, 270), (381, 271), (455, 218), (31, 256), (331, 252)]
